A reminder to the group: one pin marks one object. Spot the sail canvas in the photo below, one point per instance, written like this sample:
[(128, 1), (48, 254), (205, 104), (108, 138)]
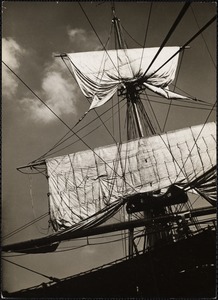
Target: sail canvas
[(83, 183), (99, 73)]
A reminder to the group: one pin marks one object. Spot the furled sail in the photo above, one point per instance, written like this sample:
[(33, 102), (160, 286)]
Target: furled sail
[(87, 182), (99, 73)]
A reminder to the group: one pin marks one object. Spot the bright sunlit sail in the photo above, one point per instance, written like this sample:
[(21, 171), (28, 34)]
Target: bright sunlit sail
[(84, 183), (155, 186), (100, 73)]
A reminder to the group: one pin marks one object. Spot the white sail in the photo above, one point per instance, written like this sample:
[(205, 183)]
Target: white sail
[(99, 73), (83, 183)]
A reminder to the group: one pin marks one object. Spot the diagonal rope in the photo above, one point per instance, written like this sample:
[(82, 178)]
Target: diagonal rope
[(172, 29), (59, 142), (98, 114), (188, 42), (195, 142), (97, 36), (24, 226), (171, 100), (146, 34), (85, 135), (18, 265), (179, 105), (130, 36), (63, 122), (204, 39)]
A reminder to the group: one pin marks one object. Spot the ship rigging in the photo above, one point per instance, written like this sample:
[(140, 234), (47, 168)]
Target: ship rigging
[(147, 177)]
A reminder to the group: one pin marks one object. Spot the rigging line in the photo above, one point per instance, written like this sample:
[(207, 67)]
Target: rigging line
[(183, 106), (196, 200), (59, 142), (152, 111), (49, 277), (179, 105), (103, 236), (24, 226), (126, 158), (119, 120), (120, 42), (198, 102), (82, 129), (188, 42), (131, 36), (98, 37), (108, 242), (168, 147), (63, 122), (83, 135), (89, 244), (112, 113), (70, 249), (195, 142), (203, 38), (26, 173), (146, 118), (38, 97), (194, 219), (172, 29), (171, 100), (31, 197), (43, 172), (202, 102), (98, 113), (146, 34)]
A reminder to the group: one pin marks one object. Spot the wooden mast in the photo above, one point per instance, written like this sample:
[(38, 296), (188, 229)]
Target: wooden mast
[(132, 96), (122, 45)]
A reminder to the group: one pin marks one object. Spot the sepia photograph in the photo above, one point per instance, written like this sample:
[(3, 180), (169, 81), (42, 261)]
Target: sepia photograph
[(109, 181)]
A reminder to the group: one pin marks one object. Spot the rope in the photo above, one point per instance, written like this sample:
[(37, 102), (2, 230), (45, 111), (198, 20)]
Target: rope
[(131, 36), (96, 110), (175, 24), (62, 120), (97, 35), (183, 106), (195, 142), (24, 226), (146, 33), (32, 202), (59, 142), (204, 39), (86, 125), (169, 107), (49, 277), (188, 42), (91, 131), (153, 111)]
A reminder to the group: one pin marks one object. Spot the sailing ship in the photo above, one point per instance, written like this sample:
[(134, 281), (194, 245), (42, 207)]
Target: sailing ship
[(143, 185)]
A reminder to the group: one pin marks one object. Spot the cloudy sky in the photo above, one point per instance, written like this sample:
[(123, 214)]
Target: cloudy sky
[(32, 33)]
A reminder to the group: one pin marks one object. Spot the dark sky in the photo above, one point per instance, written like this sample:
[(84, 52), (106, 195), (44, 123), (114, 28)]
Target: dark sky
[(32, 33)]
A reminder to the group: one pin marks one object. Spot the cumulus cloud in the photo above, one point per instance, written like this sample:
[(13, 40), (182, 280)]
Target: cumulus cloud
[(76, 33), (58, 90), (83, 40), (11, 54), (59, 93)]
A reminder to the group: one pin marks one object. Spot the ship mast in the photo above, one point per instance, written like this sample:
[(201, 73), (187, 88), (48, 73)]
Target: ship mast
[(136, 111), (131, 92), (132, 96)]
